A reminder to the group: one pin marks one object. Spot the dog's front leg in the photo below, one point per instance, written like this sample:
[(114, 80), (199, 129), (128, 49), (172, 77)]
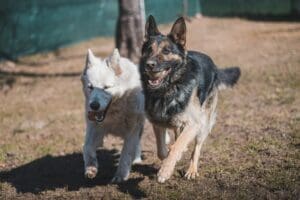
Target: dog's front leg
[(138, 151), (93, 138), (161, 143), (128, 153), (175, 153)]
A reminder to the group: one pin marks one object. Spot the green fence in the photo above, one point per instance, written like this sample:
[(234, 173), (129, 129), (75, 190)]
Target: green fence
[(29, 26), (249, 7), (166, 11)]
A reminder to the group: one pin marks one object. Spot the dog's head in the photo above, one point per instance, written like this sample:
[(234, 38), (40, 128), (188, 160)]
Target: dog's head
[(162, 55), (99, 79)]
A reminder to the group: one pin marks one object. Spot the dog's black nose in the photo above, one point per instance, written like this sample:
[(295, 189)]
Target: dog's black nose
[(95, 105), (151, 64)]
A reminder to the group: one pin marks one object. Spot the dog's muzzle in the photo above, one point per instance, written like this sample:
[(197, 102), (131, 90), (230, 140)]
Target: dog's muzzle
[(155, 78), (98, 116), (98, 110)]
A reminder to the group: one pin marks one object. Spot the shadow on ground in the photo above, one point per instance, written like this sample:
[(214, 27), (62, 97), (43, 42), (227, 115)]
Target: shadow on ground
[(50, 173)]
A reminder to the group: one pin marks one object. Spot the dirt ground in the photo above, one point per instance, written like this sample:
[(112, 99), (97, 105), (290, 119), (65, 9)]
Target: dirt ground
[(252, 153)]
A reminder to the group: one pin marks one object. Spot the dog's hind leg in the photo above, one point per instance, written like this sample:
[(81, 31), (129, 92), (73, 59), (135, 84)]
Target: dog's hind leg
[(92, 139), (128, 153), (161, 143), (192, 171), (208, 120)]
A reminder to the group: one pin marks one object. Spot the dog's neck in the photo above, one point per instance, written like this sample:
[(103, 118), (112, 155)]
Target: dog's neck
[(162, 106)]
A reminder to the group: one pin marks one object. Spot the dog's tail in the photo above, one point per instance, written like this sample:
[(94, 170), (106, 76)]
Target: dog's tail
[(228, 77)]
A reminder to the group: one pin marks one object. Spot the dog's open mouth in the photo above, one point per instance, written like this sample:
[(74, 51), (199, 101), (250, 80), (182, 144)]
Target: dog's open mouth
[(97, 116), (156, 78)]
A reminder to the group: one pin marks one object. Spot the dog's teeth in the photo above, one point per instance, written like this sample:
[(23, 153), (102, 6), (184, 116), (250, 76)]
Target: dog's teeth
[(99, 118)]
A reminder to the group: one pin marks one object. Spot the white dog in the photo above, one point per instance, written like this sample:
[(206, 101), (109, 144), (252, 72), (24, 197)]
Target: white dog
[(114, 104)]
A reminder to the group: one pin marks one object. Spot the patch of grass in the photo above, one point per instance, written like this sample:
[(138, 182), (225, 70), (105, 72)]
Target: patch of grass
[(280, 179), (295, 133), (279, 96), (264, 146), (5, 149), (2, 155), (7, 191), (44, 150)]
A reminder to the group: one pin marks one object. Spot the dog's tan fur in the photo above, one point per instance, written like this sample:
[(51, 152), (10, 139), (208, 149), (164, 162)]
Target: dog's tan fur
[(157, 50), (195, 123), (181, 91)]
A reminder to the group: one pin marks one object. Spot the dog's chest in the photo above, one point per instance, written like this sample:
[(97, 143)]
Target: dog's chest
[(174, 112), (125, 114)]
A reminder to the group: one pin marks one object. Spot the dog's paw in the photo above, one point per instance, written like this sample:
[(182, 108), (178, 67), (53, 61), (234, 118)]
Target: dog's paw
[(191, 173), (118, 179), (137, 160), (164, 174), (90, 172), (162, 177)]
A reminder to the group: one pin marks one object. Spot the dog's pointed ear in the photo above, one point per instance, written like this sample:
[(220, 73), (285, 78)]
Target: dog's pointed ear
[(114, 62), (90, 58), (151, 28), (178, 32)]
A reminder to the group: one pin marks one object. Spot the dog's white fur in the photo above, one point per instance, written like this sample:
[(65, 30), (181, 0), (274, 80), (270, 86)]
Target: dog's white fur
[(125, 115)]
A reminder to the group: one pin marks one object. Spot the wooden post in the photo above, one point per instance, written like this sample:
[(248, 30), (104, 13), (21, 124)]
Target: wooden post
[(129, 32)]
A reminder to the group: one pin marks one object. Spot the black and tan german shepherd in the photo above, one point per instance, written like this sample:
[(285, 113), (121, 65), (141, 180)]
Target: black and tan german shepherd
[(181, 91)]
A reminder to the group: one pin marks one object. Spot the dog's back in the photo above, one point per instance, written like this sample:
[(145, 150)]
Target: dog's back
[(210, 76)]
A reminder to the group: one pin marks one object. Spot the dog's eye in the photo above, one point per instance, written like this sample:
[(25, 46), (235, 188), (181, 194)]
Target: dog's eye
[(107, 87), (166, 51), (90, 86), (149, 48)]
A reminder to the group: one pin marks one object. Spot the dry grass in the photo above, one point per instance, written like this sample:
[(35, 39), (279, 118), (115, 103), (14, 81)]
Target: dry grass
[(253, 152)]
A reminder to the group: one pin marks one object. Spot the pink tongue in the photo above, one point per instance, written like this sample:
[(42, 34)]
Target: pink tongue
[(154, 82)]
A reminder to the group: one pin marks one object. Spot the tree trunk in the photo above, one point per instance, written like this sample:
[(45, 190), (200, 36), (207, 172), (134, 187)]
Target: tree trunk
[(129, 32)]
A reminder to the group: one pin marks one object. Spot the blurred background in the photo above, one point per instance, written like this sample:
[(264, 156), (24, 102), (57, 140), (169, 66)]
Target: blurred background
[(253, 151), (33, 26)]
